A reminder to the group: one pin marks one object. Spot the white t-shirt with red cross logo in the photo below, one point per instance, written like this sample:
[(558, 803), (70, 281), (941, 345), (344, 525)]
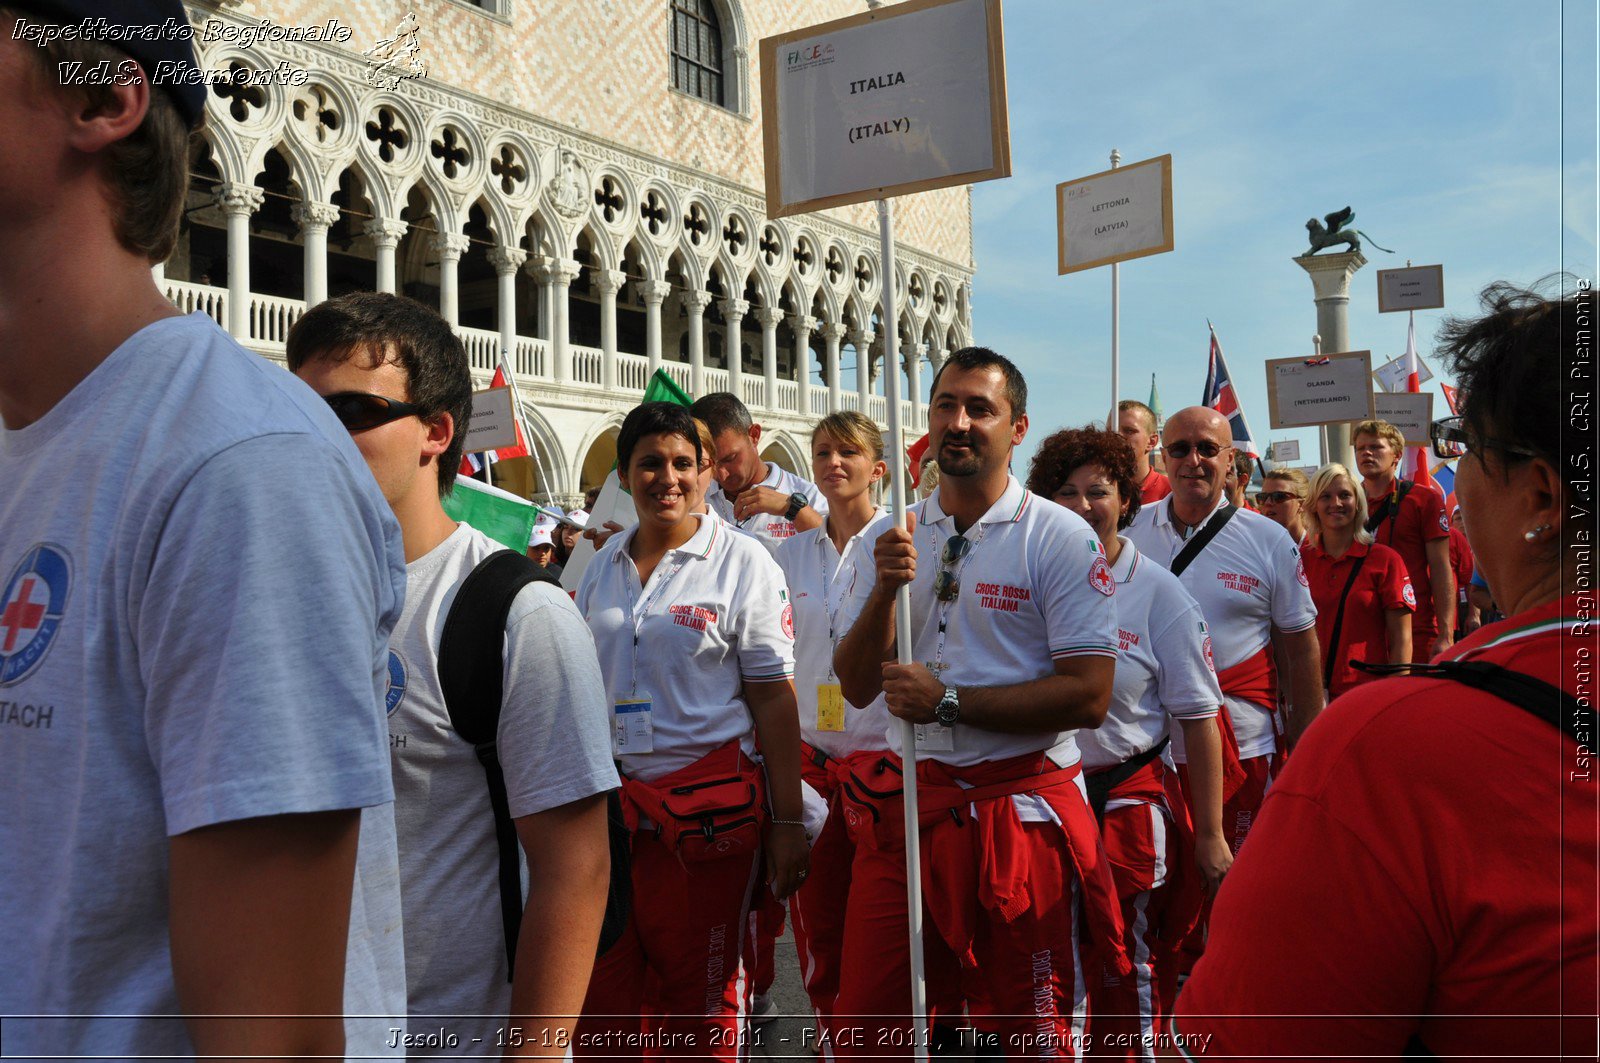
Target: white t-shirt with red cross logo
[(770, 529)]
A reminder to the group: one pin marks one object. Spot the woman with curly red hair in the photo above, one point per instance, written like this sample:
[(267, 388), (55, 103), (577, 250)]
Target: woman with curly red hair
[(1164, 673)]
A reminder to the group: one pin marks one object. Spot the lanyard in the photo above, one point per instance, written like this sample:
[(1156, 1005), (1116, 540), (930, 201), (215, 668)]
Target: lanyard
[(944, 607), (658, 581)]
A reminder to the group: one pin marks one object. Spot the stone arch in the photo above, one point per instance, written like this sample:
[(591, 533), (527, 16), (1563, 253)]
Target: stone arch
[(597, 454), (785, 451), (547, 452)]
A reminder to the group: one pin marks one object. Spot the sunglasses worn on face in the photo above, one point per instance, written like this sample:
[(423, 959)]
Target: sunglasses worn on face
[(945, 585), (1182, 448), (1276, 497), (1451, 440), (359, 411)]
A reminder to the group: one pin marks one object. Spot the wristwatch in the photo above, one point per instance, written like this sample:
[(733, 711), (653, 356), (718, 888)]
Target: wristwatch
[(797, 502), (949, 708)]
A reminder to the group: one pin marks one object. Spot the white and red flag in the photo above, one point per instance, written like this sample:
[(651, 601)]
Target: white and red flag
[(472, 464), (1415, 464), (1220, 396)]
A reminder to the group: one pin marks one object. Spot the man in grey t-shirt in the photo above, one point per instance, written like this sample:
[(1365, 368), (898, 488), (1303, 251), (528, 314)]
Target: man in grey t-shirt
[(397, 377)]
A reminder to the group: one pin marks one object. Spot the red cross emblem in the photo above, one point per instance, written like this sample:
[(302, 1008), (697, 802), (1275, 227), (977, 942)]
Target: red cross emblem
[(23, 614)]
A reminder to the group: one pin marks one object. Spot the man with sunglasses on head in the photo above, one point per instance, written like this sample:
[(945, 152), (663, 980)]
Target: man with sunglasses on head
[(397, 377), (197, 583), (1014, 643), (1409, 519), (1245, 572)]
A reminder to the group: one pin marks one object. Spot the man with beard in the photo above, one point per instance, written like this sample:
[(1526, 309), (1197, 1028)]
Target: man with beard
[(1014, 640)]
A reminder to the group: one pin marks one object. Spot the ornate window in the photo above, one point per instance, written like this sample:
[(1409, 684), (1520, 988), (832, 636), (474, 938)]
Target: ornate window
[(697, 50)]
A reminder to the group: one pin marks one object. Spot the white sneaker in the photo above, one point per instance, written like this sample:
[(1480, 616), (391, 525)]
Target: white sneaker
[(763, 1010)]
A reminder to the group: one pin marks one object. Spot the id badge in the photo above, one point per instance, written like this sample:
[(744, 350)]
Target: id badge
[(632, 731), (830, 707), (935, 738)]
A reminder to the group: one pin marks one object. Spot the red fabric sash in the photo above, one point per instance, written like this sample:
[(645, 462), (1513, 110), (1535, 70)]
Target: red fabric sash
[(973, 855), (1185, 890), (827, 776), (1252, 679)]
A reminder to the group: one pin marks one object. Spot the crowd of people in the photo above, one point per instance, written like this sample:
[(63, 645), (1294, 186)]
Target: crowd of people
[(1192, 778)]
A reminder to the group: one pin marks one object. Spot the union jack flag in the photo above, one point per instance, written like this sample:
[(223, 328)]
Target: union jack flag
[(1220, 396)]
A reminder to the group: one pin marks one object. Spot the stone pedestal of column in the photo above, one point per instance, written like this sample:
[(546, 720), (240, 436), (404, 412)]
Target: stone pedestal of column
[(1330, 283)]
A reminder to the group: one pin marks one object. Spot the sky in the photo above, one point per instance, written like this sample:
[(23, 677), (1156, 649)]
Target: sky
[(1462, 132)]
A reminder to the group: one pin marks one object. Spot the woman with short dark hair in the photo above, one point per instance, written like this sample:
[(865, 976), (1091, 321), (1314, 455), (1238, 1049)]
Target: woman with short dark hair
[(1422, 877)]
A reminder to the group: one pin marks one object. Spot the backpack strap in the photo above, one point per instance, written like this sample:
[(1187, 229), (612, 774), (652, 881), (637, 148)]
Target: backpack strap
[(472, 675), (1338, 623), (1550, 703), (1192, 548), (1390, 510)]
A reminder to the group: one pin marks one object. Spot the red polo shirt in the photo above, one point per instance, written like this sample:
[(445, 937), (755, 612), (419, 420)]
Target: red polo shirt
[(1419, 519), (1461, 565), (1381, 585), (1155, 487), (1429, 850)]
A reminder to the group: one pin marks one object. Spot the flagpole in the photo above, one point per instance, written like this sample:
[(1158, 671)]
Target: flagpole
[(1116, 327), (527, 436), (902, 622), (1322, 429)]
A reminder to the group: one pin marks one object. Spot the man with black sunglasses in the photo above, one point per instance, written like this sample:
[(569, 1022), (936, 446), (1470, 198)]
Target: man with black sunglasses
[(397, 377), (1014, 639), (1245, 572), (197, 583)]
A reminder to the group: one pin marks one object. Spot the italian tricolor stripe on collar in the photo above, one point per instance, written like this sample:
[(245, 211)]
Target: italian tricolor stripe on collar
[(1541, 627)]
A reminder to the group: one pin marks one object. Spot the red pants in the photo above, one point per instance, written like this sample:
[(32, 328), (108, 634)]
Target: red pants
[(1238, 814), (1022, 979), (1142, 844), (685, 933), (766, 927)]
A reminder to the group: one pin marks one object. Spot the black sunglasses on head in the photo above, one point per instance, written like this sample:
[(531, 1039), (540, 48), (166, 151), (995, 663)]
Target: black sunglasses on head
[(359, 411), (1180, 449), (1451, 440)]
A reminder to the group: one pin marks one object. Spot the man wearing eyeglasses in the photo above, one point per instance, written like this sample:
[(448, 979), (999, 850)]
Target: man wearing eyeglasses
[(1014, 643), (1245, 572), (197, 582), (397, 378), (1411, 521)]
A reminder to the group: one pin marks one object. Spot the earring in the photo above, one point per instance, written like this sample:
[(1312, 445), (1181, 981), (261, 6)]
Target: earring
[(1533, 536)]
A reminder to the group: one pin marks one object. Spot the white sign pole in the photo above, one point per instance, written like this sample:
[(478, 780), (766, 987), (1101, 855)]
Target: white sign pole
[(902, 630), (1322, 430), (1116, 332)]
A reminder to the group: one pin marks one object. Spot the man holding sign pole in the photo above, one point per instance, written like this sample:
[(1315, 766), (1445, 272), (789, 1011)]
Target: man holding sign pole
[(1014, 641)]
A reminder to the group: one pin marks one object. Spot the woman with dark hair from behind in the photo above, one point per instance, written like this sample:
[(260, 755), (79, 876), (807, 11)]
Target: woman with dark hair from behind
[(1163, 865), (1423, 873)]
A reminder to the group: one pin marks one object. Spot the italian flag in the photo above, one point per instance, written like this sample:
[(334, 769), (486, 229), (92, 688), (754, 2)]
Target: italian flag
[(501, 515)]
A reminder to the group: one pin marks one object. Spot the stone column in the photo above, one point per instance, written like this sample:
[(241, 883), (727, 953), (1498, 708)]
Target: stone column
[(1330, 283), (733, 312), (386, 234), (832, 333), (862, 341), (238, 202), (803, 326), (506, 261), (608, 282), (653, 292), (914, 355), (563, 271), (769, 316), (695, 302), (449, 247), (314, 220)]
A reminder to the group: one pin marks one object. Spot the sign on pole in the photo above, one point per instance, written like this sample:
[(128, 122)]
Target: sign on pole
[(887, 102), (1331, 389), (1285, 451), (494, 421), (1411, 412), (1114, 215), (1411, 288), (1392, 376)]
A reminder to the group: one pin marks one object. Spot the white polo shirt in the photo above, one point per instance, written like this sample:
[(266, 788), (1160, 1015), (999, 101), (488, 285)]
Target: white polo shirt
[(771, 529), (714, 613), (823, 583), (1163, 663), (1035, 588), (1247, 579)]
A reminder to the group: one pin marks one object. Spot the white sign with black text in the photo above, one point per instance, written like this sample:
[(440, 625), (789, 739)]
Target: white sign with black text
[(1114, 215), (493, 424)]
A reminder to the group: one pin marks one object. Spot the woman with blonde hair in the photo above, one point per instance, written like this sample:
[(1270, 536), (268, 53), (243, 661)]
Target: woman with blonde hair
[(1363, 596)]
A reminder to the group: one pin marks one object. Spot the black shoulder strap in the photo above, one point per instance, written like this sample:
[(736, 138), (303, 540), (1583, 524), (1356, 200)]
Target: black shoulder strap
[(1390, 508), (472, 673), (1551, 704), (1192, 548), (1338, 623)]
